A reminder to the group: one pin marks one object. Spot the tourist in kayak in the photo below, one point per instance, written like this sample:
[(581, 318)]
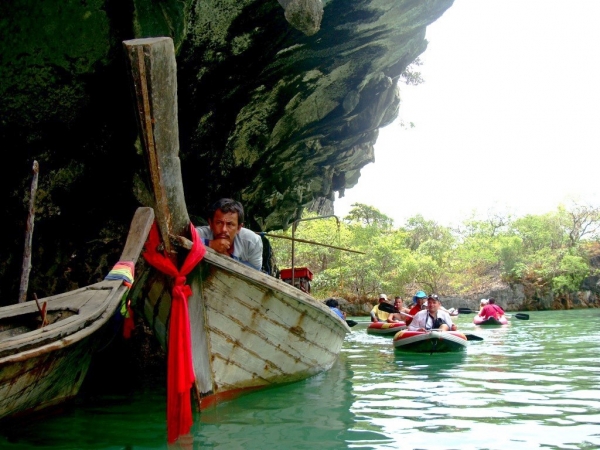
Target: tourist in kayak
[(418, 305), (482, 303), (492, 310), (378, 315), (402, 312), (334, 305), (432, 318), (226, 234)]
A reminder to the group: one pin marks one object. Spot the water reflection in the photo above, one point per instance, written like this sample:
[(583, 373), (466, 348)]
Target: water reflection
[(518, 388), (313, 412)]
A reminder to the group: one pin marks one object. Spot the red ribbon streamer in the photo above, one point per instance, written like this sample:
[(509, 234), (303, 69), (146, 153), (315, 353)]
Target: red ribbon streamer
[(180, 369)]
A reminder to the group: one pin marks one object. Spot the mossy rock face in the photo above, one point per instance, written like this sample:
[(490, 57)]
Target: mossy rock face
[(268, 115)]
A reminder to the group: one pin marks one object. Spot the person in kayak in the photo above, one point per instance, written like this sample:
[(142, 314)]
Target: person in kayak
[(432, 318), (401, 313), (492, 310), (378, 315), (482, 303), (418, 305), (334, 305)]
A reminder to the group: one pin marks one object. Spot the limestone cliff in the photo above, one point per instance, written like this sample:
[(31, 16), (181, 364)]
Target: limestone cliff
[(280, 103)]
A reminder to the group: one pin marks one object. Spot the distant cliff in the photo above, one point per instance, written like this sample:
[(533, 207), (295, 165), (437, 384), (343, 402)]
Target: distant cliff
[(280, 103)]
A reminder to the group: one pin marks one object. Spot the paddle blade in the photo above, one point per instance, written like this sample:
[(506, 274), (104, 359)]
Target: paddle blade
[(522, 316), (465, 311), (473, 337), (387, 307), (351, 323)]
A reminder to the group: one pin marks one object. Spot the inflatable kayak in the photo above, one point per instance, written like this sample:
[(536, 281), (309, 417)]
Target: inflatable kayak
[(430, 341), (385, 328), (478, 320)]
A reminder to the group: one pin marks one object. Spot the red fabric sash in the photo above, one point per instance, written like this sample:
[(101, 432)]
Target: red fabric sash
[(180, 369)]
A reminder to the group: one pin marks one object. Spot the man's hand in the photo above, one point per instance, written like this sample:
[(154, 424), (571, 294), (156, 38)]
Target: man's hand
[(220, 245)]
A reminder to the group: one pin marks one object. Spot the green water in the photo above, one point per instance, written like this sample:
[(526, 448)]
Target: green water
[(531, 384)]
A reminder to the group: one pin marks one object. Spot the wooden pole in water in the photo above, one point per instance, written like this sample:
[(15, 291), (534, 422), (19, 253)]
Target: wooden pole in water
[(28, 236)]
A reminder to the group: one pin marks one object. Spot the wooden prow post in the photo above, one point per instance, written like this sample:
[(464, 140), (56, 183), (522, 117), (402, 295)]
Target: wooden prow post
[(151, 63), (29, 236)]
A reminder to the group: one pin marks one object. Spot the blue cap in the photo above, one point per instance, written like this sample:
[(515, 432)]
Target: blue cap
[(418, 295)]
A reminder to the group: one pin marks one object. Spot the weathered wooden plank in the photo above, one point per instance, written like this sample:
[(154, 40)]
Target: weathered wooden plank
[(151, 63)]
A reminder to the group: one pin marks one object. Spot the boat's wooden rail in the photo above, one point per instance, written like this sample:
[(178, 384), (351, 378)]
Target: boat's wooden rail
[(81, 310), (268, 281)]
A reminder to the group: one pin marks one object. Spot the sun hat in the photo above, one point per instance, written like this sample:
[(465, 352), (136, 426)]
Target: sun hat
[(418, 295), (382, 296), (484, 301)]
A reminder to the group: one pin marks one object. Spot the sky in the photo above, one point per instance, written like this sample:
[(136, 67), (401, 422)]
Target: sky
[(506, 122)]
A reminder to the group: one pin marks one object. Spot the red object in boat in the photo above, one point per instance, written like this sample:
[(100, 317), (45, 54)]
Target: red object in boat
[(302, 277), (299, 272)]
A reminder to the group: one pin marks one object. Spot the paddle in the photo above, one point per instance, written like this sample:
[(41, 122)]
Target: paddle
[(351, 323), (473, 337), (519, 316), (390, 309)]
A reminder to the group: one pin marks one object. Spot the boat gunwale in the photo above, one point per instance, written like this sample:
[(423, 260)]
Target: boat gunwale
[(54, 336), (270, 282)]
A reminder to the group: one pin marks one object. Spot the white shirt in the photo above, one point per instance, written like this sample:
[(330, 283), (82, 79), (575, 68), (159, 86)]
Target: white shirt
[(247, 246), (422, 319)]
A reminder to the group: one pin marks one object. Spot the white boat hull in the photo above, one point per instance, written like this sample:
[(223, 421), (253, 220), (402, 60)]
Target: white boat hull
[(249, 330)]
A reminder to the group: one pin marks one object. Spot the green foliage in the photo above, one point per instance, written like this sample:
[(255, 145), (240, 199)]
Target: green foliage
[(538, 232), (410, 76), (572, 270), (368, 216), (549, 252)]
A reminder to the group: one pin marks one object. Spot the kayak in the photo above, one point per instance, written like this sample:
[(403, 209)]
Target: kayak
[(478, 320), (453, 312), (430, 341), (385, 328)]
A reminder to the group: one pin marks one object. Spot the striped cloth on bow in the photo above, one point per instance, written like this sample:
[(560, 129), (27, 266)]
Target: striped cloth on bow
[(123, 270)]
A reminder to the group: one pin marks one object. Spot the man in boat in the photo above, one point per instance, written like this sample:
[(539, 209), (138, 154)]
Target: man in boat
[(482, 303), (378, 315), (226, 234), (418, 304), (492, 310), (334, 305), (432, 318), (402, 311)]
